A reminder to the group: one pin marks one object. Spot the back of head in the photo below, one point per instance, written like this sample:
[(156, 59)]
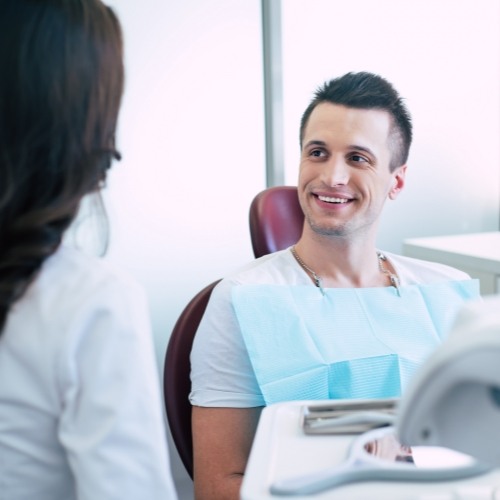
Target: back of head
[(60, 91), (368, 91)]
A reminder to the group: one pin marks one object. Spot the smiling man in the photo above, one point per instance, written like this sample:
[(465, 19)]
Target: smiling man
[(332, 317), (344, 173)]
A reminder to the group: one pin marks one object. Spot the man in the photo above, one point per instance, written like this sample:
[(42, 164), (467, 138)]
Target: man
[(331, 317)]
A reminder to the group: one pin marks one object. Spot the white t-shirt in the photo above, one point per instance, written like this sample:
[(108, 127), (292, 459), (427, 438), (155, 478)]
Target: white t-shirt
[(80, 405), (221, 371)]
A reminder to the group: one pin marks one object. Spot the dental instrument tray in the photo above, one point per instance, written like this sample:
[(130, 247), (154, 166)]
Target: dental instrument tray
[(348, 416)]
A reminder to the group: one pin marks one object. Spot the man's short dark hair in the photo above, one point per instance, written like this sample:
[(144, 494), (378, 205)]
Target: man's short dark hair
[(368, 91)]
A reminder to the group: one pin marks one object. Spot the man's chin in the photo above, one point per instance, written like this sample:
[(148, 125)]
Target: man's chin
[(333, 230)]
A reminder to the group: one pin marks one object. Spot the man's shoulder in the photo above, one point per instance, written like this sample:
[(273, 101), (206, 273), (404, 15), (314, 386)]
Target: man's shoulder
[(413, 271), (277, 268), (274, 268)]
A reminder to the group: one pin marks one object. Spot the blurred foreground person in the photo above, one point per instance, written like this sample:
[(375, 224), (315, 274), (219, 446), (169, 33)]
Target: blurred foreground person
[(80, 408)]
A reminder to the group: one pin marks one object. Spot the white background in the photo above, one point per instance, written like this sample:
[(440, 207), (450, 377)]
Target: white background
[(192, 128), (443, 56), (191, 135)]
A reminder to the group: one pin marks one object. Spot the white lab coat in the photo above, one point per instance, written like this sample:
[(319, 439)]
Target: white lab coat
[(80, 405)]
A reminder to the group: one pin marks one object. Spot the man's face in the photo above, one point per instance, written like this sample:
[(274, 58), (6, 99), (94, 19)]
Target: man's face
[(344, 176)]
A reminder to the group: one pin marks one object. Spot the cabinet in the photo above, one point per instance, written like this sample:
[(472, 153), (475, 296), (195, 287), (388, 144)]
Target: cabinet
[(477, 254)]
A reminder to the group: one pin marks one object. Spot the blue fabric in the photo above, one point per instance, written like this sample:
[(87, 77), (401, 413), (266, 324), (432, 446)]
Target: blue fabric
[(348, 343)]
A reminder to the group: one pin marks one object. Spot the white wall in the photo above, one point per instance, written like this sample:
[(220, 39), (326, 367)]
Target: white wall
[(444, 58), (191, 135)]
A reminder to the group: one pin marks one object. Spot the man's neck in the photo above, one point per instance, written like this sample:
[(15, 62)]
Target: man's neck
[(341, 262)]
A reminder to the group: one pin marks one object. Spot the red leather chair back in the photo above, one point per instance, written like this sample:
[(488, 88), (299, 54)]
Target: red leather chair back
[(176, 375), (276, 220)]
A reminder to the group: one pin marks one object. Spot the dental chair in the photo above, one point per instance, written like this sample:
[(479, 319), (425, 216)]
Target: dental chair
[(275, 220), (176, 375)]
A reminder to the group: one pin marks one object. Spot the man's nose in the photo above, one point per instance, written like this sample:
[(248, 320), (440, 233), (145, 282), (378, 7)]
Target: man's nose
[(335, 172)]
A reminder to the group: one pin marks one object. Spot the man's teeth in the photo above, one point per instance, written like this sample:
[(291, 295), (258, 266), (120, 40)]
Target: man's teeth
[(333, 200)]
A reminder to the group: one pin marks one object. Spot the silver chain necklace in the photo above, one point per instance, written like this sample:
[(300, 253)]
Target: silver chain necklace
[(394, 280), (315, 277)]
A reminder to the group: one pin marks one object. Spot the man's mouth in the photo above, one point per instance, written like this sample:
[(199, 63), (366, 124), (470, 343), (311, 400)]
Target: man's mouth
[(329, 199)]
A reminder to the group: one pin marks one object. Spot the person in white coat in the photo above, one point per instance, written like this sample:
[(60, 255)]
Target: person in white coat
[(80, 404)]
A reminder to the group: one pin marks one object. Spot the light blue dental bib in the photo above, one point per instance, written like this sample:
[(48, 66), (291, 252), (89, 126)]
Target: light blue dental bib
[(348, 343)]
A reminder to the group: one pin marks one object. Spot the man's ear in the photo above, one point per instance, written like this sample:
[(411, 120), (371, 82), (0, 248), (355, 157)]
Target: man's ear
[(398, 180)]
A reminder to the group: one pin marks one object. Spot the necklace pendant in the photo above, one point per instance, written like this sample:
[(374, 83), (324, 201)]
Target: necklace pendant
[(317, 282), (314, 276), (395, 283)]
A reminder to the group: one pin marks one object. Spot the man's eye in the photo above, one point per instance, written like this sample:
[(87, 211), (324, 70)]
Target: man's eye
[(317, 153), (358, 158)]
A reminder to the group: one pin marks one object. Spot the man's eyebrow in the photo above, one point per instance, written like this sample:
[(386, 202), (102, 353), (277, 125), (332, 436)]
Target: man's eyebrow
[(315, 143), (362, 148)]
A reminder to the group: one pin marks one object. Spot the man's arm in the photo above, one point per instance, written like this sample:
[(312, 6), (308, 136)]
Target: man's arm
[(222, 438)]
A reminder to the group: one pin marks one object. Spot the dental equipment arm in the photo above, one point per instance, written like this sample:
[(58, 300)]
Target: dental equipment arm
[(454, 400)]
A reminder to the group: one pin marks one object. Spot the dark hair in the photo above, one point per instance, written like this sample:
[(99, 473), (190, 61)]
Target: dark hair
[(62, 79), (368, 91)]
